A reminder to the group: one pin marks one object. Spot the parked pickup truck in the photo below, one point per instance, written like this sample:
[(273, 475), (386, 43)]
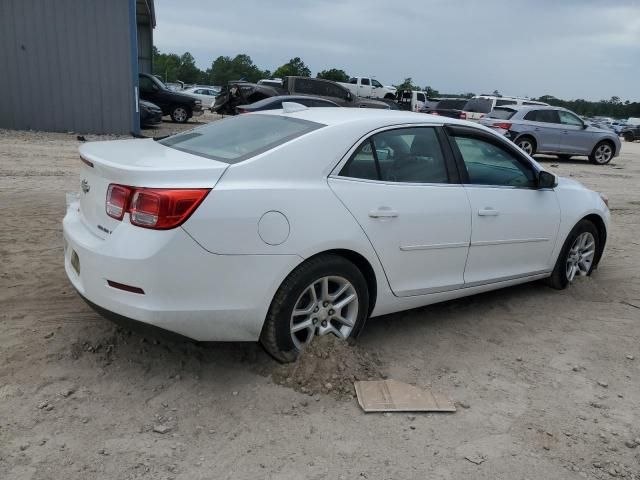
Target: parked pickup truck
[(369, 88), (180, 106), (245, 93)]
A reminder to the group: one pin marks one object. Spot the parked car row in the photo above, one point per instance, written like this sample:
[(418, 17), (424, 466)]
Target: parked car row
[(238, 94), (178, 105)]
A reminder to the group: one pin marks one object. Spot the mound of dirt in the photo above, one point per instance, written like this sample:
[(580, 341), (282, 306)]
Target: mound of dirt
[(329, 366)]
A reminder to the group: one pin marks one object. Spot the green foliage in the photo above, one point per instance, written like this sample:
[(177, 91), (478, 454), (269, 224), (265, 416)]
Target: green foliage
[(171, 67), (431, 92), (335, 74), (224, 69), (294, 67), (407, 84), (614, 107)]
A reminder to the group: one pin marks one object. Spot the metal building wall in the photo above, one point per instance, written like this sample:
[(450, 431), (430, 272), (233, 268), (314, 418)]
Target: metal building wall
[(66, 65)]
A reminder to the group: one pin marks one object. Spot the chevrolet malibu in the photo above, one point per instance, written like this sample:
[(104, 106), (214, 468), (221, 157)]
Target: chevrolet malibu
[(285, 225)]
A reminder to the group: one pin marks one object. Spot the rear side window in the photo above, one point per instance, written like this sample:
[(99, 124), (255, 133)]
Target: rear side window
[(364, 81), (421, 97), (479, 105), (233, 140), (404, 155), (502, 113), (544, 116)]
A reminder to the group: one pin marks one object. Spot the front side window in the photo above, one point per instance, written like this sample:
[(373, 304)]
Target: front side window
[(567, 118), (235, 139), (421, 97), (489, 164), (364, 81), (146, 84), (405, 155), (376, 83)]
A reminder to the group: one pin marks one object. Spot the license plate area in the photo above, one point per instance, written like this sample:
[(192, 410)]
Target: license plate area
[(75, 261)]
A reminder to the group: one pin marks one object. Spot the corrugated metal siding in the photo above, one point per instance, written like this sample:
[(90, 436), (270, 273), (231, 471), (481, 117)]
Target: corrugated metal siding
[(66, 65)]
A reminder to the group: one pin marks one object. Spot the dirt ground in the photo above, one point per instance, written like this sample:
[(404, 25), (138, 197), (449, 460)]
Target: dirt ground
[(546, 382)]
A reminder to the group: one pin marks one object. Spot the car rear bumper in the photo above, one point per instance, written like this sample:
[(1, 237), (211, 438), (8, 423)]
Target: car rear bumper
[(181, 287)]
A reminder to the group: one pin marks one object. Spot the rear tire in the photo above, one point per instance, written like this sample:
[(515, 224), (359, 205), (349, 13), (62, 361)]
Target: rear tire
[(602, 153), (527, 144), (560, 278), (303, 308), (628, 137)]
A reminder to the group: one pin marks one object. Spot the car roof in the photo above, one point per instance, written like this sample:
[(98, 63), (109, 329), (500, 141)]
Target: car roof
[(522, 108), (340, 116)]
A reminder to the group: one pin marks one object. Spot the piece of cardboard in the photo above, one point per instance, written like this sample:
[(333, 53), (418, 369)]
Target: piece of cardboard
[(394, 396)]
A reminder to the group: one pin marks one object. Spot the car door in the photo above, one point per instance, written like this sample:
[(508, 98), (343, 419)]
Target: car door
[(403, 190), (365, 87), (514, 224), (575, 137), (546, 128)]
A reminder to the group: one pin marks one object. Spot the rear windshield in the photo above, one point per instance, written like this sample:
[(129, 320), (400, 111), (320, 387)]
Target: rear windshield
[(233, 140), (451, 104), (501, 113), (478, 105)]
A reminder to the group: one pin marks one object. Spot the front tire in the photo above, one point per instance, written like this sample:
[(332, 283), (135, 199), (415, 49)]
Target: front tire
[(602, 153), (180, 114), (327, 294), (577, 257), (527, 144)]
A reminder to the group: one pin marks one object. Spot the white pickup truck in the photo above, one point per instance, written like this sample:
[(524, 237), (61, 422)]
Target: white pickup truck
[(369, 88)]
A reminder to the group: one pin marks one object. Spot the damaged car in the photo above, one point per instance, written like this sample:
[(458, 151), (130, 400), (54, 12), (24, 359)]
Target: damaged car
[(244, 93)]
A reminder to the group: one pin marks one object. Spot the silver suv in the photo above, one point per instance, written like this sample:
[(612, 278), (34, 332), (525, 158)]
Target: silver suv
[(554, 130)]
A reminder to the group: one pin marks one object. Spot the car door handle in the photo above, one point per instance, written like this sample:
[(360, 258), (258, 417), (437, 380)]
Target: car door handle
[(383, 212), (537, 129), (488, 212)]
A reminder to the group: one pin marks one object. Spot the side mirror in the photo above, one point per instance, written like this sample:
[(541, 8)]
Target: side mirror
[(585, 126), (547, 180)]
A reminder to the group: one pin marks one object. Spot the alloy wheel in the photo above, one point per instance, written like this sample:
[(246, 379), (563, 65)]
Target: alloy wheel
[(527, 146), (603, 153), (180, 114), (328, 305), (580, 256)]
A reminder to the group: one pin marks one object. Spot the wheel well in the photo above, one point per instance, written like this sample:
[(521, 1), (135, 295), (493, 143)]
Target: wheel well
[(610, 142), (390, 96), (530, 137), (602, 234), (364, 266)]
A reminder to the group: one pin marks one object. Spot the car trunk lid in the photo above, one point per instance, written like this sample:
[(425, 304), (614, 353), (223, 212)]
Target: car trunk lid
[(137, 163)]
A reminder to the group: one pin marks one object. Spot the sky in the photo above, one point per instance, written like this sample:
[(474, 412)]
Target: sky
[(567, 48)]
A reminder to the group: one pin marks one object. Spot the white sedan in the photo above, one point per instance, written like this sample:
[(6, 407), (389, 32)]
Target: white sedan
[(289, 224), (206, 95)]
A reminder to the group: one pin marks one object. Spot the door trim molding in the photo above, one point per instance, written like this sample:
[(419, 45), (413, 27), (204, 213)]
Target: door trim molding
[(434, 246), (486, 243)]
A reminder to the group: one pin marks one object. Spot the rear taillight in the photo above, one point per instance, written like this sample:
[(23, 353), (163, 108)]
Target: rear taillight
[(157, 208), (502, 125), (463, 116), (117, 200)]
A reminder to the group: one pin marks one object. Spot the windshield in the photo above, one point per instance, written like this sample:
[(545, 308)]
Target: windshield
[(233, 140), (478, 105), (501, 113)]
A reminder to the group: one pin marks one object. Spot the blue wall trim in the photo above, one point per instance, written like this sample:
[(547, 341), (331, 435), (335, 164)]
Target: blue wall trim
[(133, 34)]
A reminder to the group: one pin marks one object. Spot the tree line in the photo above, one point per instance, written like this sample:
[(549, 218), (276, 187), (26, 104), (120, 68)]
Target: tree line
[(172, 67)]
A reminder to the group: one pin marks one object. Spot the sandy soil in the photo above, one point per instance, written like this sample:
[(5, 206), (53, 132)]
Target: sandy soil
[(546, 381)]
